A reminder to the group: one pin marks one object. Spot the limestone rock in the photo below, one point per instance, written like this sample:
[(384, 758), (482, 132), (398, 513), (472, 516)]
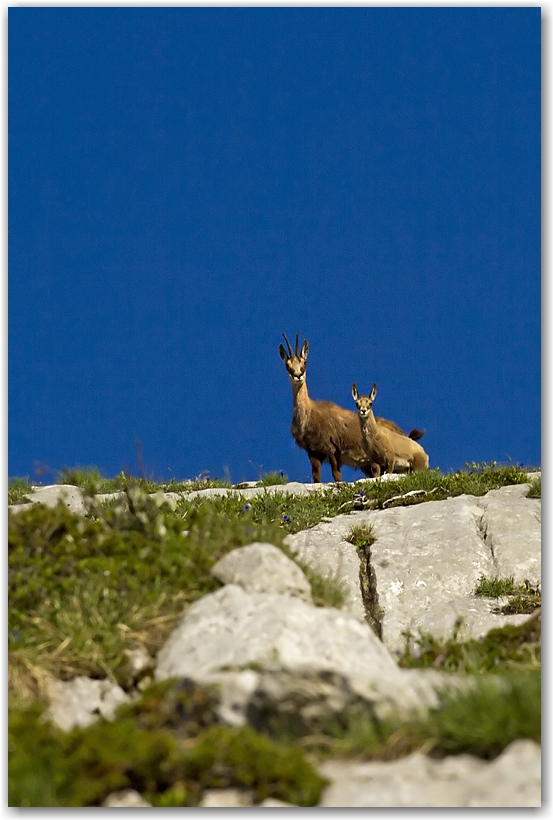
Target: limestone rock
[(300, 701), (236, 688), (126, 799), (511, 528), (427, 559), (324, 547), (139, 659), (512, 779), (226, 799), (263, 568), (81, 701), (71, 496), (292, 488), (234, 629)]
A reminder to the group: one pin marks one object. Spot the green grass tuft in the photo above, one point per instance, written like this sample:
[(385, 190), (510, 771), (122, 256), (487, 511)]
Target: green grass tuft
[(272, 478), (535, 489), (500, 650), (494, 587), (523, 598), (485, 721), (361, 535), (18, 488)]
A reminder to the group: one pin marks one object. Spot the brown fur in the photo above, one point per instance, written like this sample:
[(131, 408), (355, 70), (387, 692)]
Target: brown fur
[(324, 430), (387, 449)]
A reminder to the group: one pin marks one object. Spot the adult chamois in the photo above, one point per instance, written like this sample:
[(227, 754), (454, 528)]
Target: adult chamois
[(326, 431), (387, 450)]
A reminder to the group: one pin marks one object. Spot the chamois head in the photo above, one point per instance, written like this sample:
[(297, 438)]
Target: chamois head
[(295, 362), (364, 403)]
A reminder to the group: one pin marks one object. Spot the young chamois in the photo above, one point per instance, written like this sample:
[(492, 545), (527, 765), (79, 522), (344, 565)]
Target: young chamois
[(326, 431), (387, 450)]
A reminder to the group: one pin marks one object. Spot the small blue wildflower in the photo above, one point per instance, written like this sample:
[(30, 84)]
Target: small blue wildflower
[(361, 494), (285, 517), (246, 507)]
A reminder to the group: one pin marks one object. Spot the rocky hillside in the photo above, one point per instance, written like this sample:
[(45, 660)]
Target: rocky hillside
[(408, 575)]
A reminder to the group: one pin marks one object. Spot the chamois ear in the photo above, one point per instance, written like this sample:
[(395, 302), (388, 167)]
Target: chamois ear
[(372, 394), (305, 349), (283, 353), (354, 392)]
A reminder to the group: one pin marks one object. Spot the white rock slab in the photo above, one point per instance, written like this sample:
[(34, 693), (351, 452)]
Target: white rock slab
[(427, 560), (511, 780)]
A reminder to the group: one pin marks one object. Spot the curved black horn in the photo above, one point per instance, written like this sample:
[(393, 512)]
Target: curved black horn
[(290, 354), (297, 348)]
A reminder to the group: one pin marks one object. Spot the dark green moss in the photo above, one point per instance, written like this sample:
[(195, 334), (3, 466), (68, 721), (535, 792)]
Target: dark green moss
[(181, 706), (49, 768)]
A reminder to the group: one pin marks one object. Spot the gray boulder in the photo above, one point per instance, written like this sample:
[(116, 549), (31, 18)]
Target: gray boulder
[(263, 568), (230, 630)]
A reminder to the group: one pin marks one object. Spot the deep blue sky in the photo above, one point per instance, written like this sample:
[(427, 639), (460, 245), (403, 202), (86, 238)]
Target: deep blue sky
[(186, 184)]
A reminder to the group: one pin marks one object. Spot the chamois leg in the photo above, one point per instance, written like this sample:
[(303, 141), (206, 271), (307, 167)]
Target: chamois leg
[(316, 460), (335, 464), (371, 470)]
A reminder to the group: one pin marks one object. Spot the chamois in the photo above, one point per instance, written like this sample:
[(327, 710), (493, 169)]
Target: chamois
[(386, 449), (326, 431)]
